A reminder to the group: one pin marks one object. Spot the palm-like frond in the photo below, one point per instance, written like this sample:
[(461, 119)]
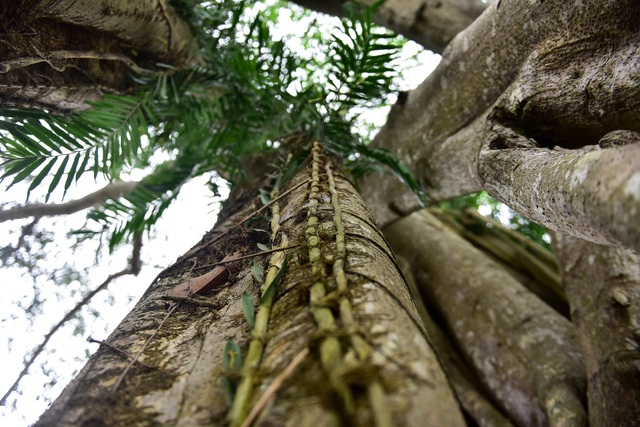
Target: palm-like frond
[(102, 140)]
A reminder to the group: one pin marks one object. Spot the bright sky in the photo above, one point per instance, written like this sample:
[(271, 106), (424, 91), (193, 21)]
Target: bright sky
[(182, 226)]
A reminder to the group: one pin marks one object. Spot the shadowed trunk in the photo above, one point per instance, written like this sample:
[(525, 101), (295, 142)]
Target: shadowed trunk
[(524, 353)]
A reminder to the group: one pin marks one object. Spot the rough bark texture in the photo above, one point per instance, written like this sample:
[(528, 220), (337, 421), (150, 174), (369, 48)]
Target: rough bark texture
[(379, 334), (603, 286), (592, 193), (524, 74), (524, 353), (433, 24), (59, 54)]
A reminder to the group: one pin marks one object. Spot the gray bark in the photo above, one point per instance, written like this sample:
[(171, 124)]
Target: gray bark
[(518, 79), (470, 393), (524, 353), (186, 385), (603, 286), (433, 24)]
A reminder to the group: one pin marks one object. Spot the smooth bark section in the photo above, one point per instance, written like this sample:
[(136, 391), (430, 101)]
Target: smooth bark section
[(534, 267), (592, 194), (524, 353), (561, 73), (186, 388), (433, 24), (114, 190), (603, 286), (473, 399)]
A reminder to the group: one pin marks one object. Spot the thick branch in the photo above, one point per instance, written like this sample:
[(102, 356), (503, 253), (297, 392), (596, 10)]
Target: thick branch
[(500, 327), (591, 194), (566, 85), (433, 24), (113, 190), (151, 26), (58, 54)]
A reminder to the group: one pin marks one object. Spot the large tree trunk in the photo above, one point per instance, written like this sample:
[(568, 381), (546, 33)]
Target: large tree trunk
[(522, 79), (531, 103), (57, 55), (342, 299), (524, 353)]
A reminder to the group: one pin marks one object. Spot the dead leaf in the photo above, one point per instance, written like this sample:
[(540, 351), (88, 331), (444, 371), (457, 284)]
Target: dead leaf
[(213, 279)]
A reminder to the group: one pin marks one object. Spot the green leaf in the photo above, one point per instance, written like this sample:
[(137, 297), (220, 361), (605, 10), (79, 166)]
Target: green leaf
[(257, 272), (263, 247), (56, 178), (249, 309), (71, 173), (42, 174), (232, 358), (264, 197)]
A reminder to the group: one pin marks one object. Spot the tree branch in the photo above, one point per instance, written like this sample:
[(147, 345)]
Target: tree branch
[(433, 26), (133, 268), (113, 190)]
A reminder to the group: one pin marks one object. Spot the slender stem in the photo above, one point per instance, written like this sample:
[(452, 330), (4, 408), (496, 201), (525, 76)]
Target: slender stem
[(275, 386), (254, 255), (113, 190)]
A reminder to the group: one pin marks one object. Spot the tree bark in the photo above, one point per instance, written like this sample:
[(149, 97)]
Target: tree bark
[(433, 24), (510, 88), (603, 286), (524, 353), (341, 297), (58, 54)]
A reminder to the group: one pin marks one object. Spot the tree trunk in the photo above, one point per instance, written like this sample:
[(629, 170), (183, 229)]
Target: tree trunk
[(603, 286), (524, 353), (342, 298), (527, 80), (56, 55)]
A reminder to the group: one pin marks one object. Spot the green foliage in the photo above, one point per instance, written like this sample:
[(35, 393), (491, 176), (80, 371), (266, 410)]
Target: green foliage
[(231, 367), (103, 140), (248, 89), (248, 309)]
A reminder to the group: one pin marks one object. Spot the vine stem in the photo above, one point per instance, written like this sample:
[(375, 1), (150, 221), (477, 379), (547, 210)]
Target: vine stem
[(275, 386)]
